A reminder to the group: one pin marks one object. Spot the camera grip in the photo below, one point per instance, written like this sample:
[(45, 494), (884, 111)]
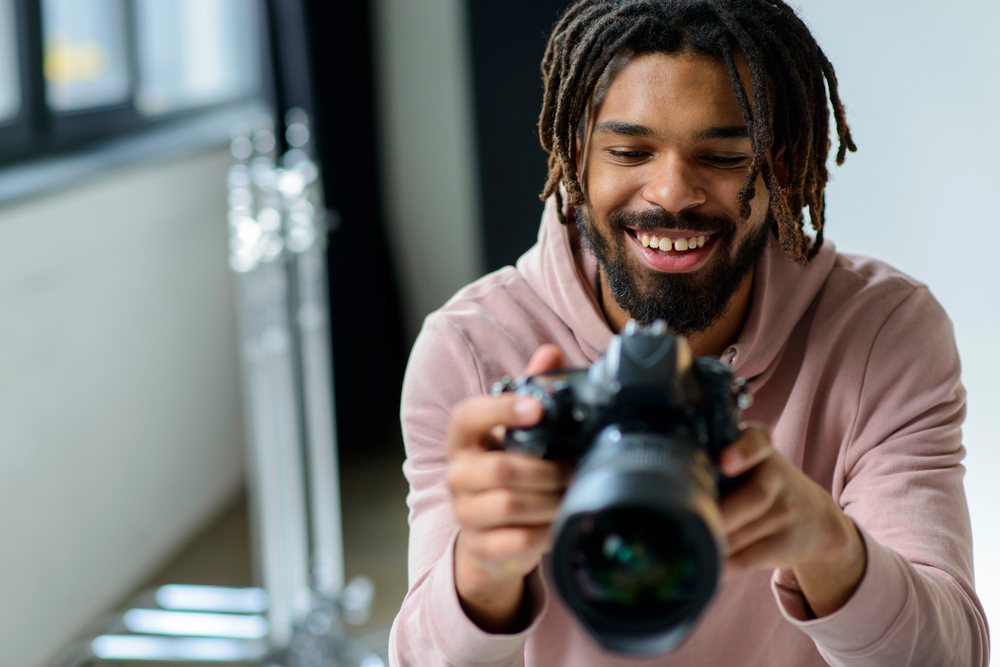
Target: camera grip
[(531, 442)]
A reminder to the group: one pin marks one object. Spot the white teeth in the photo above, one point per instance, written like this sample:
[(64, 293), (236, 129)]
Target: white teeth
[(665, 243)]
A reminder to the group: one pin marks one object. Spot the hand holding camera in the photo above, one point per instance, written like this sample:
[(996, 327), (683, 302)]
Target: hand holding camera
[(667, 489), (780, 518), (505, 502)]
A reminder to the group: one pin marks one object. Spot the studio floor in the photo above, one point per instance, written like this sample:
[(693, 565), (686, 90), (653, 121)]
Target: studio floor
[(375, 534)]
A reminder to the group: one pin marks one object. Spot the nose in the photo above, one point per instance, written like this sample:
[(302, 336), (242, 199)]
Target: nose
[(673, 185)]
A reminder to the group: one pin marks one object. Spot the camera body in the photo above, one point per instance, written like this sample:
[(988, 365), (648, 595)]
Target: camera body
[(638, 540)]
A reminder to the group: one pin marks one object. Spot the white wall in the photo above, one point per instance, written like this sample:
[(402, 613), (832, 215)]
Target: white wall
[(119, 406), (922, 87), (428, 151)]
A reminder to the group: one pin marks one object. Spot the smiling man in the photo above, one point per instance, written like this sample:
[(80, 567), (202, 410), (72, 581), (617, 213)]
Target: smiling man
[(686, 138)]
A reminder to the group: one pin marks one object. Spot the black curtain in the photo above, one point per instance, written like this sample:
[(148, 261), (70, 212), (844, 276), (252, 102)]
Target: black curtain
[(507, 44), (324, 64)]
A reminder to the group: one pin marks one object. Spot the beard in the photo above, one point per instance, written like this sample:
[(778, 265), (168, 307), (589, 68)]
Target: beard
[(689, 302)]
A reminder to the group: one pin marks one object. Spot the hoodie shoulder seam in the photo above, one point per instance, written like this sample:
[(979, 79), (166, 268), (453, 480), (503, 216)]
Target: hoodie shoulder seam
[(914, 288)]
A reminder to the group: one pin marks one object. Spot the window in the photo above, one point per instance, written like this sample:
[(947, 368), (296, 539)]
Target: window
[(194, 53), (85, 57), (10, 75)]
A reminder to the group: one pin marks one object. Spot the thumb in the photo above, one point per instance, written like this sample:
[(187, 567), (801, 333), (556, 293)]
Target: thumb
[(546, 358)]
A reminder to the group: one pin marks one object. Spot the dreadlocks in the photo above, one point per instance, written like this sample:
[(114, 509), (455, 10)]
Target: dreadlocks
[(788, 71)]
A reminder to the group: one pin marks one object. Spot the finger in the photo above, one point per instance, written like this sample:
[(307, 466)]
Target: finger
[(496, 435), (471, 472), (545, 358), (492, 440), (498, 508), (774, 521), (762, 555), (473, 419), (499, 545), (754, 498), (748, 450)]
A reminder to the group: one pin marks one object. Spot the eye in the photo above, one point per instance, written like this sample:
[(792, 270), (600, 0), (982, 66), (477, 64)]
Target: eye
[(724, 161), (628, 156)]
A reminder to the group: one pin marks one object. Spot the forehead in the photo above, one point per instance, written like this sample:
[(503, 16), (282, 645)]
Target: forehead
[(674, 89)]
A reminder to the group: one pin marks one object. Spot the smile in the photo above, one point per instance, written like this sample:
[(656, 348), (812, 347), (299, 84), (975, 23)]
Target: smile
[(667, 243), (673, 251)]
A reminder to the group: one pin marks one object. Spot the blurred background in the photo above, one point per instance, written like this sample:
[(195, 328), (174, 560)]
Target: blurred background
[(121, 453)]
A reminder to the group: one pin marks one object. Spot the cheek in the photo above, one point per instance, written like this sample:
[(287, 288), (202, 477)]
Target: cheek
[(761, 200), (609, 189), (758, 205), (758, 209)]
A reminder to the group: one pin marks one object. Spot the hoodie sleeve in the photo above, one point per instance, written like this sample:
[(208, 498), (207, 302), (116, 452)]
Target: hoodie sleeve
[(915, 604), (431, 628)]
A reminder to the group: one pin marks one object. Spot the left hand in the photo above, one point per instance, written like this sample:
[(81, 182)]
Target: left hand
[(780, 518)]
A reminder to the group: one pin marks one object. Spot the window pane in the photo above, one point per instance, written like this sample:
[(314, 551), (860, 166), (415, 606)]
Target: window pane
[(10, 78), (85, 53), (195, 52)]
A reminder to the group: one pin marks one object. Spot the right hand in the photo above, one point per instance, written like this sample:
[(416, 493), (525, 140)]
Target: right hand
[(504, 502)]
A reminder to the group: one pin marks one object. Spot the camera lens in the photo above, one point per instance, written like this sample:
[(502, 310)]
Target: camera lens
[(638, 540), (633, 564)]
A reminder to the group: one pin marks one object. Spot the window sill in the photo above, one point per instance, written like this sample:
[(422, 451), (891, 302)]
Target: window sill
[(175, 139)]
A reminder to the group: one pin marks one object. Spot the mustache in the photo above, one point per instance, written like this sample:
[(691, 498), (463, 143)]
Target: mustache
[(645, 221)]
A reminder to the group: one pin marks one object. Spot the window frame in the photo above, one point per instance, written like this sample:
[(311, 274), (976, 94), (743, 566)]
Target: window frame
[(39, 133), (17, 134)]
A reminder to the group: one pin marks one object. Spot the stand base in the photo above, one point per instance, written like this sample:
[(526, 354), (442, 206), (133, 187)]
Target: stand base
[(178, 623)]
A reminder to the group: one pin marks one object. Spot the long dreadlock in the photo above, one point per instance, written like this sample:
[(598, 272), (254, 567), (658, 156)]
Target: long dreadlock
[(789, 77)]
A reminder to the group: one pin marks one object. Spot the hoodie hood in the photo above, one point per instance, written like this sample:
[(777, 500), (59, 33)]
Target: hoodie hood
[(564, 275), (782, 293)]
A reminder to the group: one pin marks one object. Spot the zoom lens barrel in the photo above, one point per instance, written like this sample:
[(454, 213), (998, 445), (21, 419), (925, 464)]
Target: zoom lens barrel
[(639, 539)]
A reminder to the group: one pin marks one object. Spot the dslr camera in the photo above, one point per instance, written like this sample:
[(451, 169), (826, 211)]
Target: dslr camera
[(638, 542)]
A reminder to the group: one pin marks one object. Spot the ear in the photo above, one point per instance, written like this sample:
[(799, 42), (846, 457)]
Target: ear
[(780, 166)]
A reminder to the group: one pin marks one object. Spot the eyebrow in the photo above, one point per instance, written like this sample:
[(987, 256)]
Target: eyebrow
[(723, 132), (646, 132), (627, 129)]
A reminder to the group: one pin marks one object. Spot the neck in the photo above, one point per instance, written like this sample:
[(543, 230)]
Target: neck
[(714, 340)]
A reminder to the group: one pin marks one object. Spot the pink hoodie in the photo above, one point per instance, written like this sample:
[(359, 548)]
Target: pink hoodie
[(854, 367)]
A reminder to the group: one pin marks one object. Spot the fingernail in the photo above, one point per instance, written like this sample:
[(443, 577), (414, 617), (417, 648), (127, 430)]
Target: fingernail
[(525, 406)]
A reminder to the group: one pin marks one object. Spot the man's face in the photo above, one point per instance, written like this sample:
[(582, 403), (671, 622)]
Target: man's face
[(667, 155)]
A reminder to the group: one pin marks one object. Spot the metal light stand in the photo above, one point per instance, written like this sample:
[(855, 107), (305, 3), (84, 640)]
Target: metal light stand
[(277, 223)]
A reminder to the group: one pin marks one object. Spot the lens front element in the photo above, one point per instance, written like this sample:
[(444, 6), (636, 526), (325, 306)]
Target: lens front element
[(634, 564)]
